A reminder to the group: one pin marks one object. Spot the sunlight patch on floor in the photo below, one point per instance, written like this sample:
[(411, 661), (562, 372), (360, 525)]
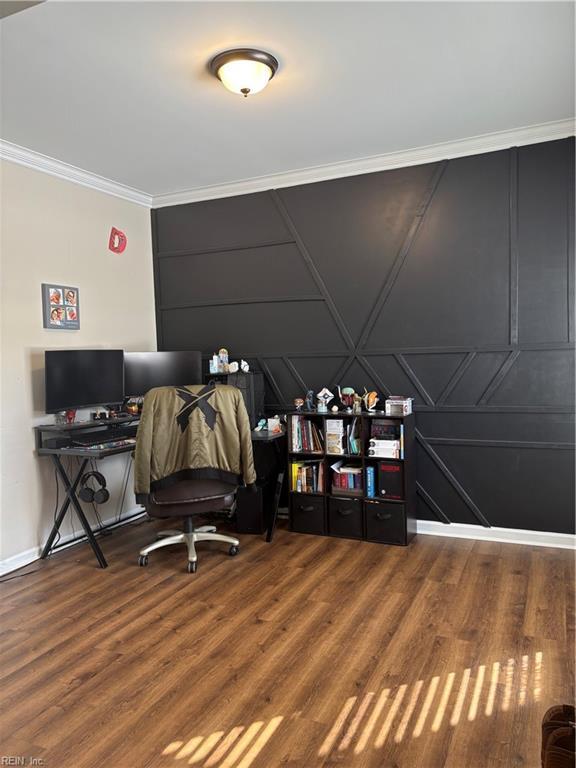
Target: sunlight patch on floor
[(235, 748), (395, 715), (444, 701)]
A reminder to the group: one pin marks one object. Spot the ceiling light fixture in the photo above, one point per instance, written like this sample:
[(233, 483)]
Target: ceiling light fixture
[(244, 70)]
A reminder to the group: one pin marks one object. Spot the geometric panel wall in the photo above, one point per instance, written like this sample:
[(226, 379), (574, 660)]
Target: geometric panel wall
[(451, 282)]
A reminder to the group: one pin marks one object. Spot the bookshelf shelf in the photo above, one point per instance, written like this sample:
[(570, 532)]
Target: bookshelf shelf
[(389, 516)]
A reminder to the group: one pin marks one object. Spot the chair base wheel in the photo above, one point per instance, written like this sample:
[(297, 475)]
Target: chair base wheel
[(143, 560), (233, 550), (192, 566)]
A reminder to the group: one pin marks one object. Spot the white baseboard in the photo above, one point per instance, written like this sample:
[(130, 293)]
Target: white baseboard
[(30, 555), (505, 535), (426, 527)]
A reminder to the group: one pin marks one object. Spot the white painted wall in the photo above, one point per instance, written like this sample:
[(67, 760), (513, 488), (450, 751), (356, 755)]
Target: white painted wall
[(56, 231)]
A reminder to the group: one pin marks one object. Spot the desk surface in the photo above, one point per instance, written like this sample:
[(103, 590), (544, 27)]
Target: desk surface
[(87, 453), (88, 424), (265, 436)]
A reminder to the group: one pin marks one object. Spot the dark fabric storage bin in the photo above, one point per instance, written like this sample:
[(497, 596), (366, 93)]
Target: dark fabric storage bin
[(345, 518), (385, 522), (307, 513)]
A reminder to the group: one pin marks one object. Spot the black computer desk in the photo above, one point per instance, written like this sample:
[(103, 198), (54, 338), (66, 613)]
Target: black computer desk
[(263, 436), (56, 441)]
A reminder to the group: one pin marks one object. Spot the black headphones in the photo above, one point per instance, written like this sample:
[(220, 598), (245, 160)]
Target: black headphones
[(98, 496)]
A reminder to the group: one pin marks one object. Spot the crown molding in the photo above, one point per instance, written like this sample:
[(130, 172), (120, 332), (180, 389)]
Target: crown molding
[(38, 162), (488, 142)]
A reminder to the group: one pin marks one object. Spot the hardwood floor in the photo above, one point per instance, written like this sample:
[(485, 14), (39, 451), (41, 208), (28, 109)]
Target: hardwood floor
[(307, 652)]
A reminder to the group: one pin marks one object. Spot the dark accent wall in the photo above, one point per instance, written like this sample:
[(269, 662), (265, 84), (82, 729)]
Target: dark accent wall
[(452, 282)]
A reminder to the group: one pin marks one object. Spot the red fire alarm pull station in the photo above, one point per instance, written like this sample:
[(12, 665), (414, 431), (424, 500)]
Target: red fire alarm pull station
[(117, 241)]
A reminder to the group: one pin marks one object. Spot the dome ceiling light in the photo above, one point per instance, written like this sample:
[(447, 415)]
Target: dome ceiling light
[(244, 70)]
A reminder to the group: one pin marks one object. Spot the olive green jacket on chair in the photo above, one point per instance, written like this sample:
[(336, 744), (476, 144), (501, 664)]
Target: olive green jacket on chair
[(198, 431)]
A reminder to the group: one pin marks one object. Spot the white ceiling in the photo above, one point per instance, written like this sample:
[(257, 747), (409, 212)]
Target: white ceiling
[(121, 90)]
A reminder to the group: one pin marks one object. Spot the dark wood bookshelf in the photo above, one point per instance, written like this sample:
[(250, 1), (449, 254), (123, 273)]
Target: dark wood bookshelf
[(351, 513)]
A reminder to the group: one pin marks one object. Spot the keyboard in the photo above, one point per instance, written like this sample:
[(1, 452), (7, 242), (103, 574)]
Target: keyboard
[(105, 446)]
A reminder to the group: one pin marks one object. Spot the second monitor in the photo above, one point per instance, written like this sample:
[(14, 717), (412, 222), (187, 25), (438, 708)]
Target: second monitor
[(146, 370)]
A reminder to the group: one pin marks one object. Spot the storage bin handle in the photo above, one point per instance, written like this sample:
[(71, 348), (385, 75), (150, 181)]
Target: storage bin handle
[(307, 509), (383, 515), (345, 512)]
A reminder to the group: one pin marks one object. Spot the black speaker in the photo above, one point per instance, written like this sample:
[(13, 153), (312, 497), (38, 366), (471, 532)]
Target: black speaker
[(251, 385), (249, 510)]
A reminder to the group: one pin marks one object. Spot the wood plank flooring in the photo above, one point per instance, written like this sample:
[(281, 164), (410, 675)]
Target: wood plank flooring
[(307, 652)]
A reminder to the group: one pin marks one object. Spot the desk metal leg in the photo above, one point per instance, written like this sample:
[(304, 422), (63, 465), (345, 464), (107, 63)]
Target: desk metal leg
[(71, 498), (274, 512)]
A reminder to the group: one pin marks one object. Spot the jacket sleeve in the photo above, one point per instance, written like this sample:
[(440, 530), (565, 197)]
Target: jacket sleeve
[(143, 453), (243, 422)]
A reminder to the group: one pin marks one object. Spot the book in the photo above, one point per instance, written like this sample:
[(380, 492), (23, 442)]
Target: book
[(390, 480), (353, 438), (384, 449), (346, 478), (305, 435), (385, 429), (307, 476), (371, 481), (335, 436)]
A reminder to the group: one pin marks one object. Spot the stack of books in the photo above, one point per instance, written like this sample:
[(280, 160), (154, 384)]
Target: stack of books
[(306, 436), (335, 436), (307, 477), (346, 479), (386, 439)]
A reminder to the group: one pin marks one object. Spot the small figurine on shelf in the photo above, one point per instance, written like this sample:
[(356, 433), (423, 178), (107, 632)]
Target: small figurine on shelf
[(334, 409), (298, 403), (233, 368), (244, 367), (324, 397), (357, 404), (370, 400), (223, 360), (346, 395), (309, 406)]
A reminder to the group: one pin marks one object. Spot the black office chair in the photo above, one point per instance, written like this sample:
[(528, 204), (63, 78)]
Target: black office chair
[(185, 499)]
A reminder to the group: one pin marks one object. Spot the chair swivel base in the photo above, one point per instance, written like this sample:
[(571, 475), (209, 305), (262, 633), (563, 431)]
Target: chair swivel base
[(204, 533)]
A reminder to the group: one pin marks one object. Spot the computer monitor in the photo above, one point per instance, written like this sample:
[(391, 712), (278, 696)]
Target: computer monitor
[(146, 370), (81, 378)]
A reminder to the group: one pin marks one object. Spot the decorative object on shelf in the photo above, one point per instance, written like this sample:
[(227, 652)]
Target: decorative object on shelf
[(397, 405), (298, 403), (370, 400), (262, 424), (334, 409), (244, 367), (223, 360), (274, 426), (60, 307), (346, 395), (233, 367), (357, 403), (244, 70), (324, 397), (70, 416), (309, 404)]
